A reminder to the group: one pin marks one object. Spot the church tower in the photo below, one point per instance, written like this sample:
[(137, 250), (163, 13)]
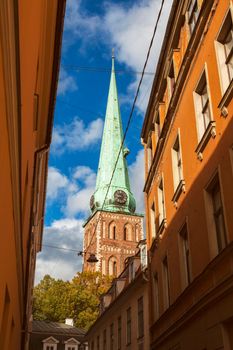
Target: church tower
[(113, 230)]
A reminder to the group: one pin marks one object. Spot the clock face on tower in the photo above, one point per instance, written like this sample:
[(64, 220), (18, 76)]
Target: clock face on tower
[(120, 197)]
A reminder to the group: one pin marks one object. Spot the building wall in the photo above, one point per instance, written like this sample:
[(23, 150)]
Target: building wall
[(194, 309), (29, 55), (100, 240), (118, 308)]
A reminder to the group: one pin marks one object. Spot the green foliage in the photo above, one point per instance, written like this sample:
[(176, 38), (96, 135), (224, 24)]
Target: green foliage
[(56, 300)]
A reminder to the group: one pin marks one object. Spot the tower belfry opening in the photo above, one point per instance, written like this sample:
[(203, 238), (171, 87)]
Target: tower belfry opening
[(112, 204)]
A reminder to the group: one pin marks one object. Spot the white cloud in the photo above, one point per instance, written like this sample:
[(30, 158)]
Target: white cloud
[(64, 233), (130, 30), (76, 136), (56, 182), (66, 83), (137, 179), (85, 174), (78, 202)]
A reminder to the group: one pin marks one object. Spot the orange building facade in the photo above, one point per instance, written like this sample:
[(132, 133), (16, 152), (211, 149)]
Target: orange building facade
[(188, 140), (30, 43)]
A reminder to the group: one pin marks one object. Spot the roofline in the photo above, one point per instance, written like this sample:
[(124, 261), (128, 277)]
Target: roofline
[(159, 64)]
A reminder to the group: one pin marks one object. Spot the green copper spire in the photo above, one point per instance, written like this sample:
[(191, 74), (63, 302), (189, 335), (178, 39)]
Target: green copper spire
[(119, 196)]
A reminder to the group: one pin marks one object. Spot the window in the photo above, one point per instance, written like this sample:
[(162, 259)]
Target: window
[(161, 203), (156, 296), (92, 345), (111, 337), (128, 325), (140, 318), (177, 163), (152, 221), (202, 105), (149, 153), (193, 13), (185, 255), (218, 215), (98, 342), (112, 266), (50, 343), (128, 232), (166, 284), (119, 333), (71, 344), (112, 230), (157, 126), (104, 340), (224, 46), (171, 80)]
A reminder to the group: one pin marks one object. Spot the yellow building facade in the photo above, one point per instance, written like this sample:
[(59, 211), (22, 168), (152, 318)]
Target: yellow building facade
[(188, 140), (30, 43)]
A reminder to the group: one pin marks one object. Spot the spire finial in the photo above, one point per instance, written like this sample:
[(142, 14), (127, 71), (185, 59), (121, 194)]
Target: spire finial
[(113, 53)]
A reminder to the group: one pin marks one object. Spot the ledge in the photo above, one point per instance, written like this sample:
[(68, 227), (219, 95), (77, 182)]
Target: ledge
[(209, 132), (180, 188)]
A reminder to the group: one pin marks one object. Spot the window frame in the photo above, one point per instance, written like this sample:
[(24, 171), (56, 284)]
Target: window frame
[(50, 341), (161, 206), (210, 130), (219, 48), (119, 332), (128, 326), (194, 14), (211, 224), (177, 168), (155, 290), (140, 309), (185, 261), (166, 283)]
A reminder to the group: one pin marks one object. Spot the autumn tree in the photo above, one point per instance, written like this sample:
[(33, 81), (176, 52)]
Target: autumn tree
[(55, 300)]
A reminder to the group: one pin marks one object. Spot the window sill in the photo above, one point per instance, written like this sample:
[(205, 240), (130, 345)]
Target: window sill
[(180, 188), (209, 132), (226, 99), (162, 226)]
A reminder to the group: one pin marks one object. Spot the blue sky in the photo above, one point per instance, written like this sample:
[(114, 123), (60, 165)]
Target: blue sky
[(92, 28)]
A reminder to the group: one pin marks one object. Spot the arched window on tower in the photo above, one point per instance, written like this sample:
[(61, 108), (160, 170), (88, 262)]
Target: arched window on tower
[(112, 266), (128, 232), (112, 230)]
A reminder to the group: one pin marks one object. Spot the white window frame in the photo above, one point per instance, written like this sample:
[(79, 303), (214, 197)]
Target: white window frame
[(219, 49), (193, 13), (198, 105), (178, 175), (161, 201), (152, 221), (70, 343), (50, 341)]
